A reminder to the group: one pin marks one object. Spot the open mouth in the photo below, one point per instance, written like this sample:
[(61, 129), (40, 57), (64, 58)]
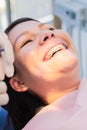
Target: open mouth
[(54, 50)]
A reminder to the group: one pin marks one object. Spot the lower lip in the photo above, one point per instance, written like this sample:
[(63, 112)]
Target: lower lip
[(54, 55)]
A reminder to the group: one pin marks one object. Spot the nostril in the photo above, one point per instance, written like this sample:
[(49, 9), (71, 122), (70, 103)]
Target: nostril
[(45, 38), (48, 36), (52, 35)]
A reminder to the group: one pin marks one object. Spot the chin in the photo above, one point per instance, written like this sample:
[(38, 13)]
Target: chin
[(69, 64), (68, 60)]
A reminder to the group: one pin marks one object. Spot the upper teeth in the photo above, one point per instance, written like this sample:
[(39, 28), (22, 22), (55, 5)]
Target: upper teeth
[(54, 50)]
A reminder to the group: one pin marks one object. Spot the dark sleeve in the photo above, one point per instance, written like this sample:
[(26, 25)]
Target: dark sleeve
[(5, 120)]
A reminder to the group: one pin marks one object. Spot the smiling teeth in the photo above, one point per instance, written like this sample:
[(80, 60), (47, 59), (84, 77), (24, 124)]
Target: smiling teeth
[(54, 50)]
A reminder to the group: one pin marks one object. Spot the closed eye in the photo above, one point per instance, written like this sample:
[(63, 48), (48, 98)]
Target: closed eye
[(28, 41), (51, 28)]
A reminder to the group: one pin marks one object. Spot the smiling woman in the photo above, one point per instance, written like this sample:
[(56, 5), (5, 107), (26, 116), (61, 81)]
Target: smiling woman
[(46, 74)]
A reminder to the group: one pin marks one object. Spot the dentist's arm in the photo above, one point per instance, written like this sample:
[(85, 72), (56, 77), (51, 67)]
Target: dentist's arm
[(6, 65)]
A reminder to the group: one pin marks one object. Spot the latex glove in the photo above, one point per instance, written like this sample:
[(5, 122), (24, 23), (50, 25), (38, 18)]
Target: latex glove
[(6, 65), (4, 98)]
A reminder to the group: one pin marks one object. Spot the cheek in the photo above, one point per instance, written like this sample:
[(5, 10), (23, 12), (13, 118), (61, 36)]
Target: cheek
[(27, 61)]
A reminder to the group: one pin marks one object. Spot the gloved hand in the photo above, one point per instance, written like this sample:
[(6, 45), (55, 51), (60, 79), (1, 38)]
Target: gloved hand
[(6, 65)]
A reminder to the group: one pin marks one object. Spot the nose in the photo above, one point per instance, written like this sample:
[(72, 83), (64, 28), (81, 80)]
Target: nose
[(45, 37)]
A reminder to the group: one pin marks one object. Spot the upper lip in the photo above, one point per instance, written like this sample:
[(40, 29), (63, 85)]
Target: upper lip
[(59, 45)]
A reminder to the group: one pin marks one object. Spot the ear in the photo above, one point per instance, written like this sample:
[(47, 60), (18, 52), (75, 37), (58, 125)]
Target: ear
[(17, 85)]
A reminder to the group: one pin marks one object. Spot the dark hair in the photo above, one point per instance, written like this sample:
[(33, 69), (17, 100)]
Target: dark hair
[(22, 106)]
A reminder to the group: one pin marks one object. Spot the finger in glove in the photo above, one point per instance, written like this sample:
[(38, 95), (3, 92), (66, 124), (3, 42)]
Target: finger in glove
[(1, 69), (6, 45), (8, 67), (4, 99), (3, 88)]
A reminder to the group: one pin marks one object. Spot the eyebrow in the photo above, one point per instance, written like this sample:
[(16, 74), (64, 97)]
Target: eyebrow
[(20, 36), (40, 25)]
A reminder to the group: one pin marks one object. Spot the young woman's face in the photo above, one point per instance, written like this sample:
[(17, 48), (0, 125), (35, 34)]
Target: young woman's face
[(43, 55)]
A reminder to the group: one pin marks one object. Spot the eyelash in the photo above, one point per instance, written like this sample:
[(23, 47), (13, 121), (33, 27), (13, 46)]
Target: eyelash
[(26, 43)]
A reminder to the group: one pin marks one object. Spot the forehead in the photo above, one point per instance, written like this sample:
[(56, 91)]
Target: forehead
[(22, 27)]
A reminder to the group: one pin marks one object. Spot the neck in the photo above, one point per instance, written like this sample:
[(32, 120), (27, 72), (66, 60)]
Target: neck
[(55, 95)]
